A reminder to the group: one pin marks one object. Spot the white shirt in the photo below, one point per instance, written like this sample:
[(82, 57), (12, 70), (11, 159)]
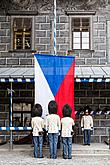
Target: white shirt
[(67, 123), (53, 123), (37, 124), (87, 122)]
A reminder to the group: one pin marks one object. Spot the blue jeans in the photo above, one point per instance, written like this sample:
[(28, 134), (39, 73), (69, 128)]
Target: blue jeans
[(38, 142), (87, 136), (53, 140), (67, 147)]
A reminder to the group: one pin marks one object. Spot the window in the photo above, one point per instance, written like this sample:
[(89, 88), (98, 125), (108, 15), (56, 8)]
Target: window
[(80, 33), (21, 114), (22, 33)]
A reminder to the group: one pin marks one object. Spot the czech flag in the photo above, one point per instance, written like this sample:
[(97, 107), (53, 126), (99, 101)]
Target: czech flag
[(54, 80)]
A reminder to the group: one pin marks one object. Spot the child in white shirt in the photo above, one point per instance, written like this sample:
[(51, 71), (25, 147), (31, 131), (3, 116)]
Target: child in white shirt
[(67, 124), (37, 124), (53, 128)]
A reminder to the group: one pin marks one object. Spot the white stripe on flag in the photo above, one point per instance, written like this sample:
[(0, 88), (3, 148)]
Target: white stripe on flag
[(43, 93)]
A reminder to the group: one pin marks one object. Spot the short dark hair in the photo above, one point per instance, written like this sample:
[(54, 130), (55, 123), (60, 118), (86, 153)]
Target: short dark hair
[(37, 110), (66, 110), (52, 107)]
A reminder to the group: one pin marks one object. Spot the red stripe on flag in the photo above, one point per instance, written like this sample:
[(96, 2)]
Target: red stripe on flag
[(65, 94)]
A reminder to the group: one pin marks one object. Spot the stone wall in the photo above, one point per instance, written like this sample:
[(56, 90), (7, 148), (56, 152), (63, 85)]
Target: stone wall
[(43, 32), (100, 133), (95, 95), (24, 93)]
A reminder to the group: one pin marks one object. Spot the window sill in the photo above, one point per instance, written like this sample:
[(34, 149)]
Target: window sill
[(81, 50), (22, 51)]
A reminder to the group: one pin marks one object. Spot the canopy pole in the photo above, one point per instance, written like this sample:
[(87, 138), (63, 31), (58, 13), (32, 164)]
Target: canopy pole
[(54, 27), (10, 91), (11, 111)]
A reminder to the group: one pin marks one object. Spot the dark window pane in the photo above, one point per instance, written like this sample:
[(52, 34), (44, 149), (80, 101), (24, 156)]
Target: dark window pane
[(22, 33)]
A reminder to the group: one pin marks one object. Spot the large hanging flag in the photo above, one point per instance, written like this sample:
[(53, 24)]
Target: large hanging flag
[(54, 80)]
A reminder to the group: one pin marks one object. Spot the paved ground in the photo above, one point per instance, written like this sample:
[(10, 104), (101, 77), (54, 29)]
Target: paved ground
[(26, 158), (23, 155)]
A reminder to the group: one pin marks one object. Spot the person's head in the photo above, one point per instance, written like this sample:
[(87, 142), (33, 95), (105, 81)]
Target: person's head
[(37, 110), (52, 107), (86, 112), (66, 110)]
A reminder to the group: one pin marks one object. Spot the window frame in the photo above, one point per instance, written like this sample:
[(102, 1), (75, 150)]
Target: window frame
[(21, 113), (71, 32), (12, 34)]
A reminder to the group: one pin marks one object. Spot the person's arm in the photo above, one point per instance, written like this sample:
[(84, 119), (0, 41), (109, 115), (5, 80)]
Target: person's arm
[(59, 124), (32, 123), (42, 123), (73, 123), (46, 124), (91, 122), (82, 123)]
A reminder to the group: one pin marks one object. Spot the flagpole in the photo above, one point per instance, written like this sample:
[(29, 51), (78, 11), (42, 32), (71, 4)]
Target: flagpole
[(54, 27)]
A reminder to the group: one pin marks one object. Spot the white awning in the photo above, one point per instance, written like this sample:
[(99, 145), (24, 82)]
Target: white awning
[(82, 74)]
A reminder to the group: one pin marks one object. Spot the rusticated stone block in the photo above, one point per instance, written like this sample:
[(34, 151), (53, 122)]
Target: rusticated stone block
[(99, 131), (99, 101), (25, 61), (93, 93), (86, 86), (104, 139), (5, 25), (63, 19), (2, 47), (45, 26), (95, 139), (14, 61), (25, 93), (96, 123), (80, 93), (105, 93), (41, 33), (99, 85), (40, 19), (105, 123), (85, 100), (92, 61)]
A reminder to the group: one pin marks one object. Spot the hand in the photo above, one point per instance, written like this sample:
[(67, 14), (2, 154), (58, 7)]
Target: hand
[(59, 133), (91, 128), (82, 129)]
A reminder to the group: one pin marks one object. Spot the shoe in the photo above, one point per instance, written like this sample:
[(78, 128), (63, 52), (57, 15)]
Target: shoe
[(40, 156), (88, 144), (84, 144), (64, 157), (69, 158)]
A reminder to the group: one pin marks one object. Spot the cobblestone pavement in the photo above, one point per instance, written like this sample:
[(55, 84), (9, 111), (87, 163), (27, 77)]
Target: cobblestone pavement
[(26, 158)]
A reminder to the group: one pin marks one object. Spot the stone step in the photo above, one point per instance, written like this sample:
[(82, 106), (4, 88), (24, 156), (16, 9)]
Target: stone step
[(77, 149)]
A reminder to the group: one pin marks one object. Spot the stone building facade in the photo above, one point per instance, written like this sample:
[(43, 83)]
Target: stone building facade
[(82, 29)]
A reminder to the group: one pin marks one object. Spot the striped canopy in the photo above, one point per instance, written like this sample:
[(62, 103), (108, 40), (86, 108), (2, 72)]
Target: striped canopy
[(82, 74)]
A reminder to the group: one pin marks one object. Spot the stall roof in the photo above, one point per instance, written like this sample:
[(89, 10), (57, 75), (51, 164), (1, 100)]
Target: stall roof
[(82, 73)]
